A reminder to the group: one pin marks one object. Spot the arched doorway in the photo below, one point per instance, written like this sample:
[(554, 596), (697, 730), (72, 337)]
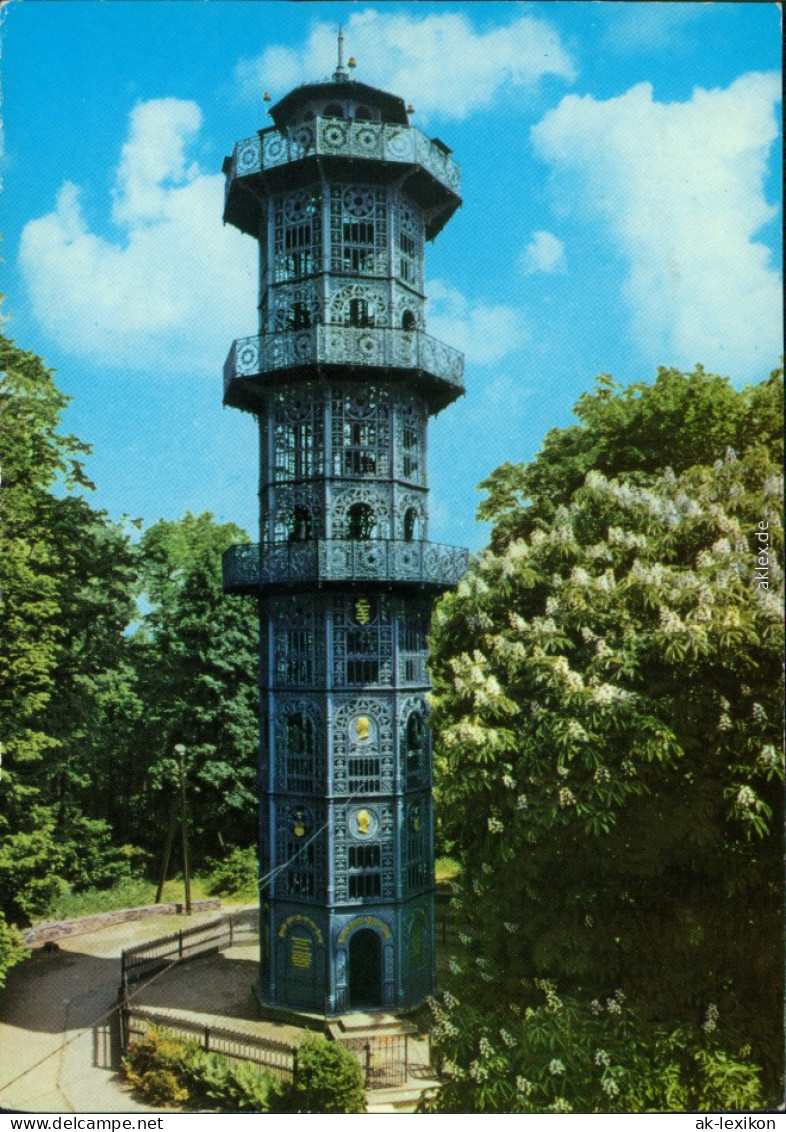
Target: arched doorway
[(365, 969)]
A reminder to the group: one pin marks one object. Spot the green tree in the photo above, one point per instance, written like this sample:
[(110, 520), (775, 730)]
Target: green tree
[(196, 665), (66, 575), (633, 432), (607, 711), (34, 457)]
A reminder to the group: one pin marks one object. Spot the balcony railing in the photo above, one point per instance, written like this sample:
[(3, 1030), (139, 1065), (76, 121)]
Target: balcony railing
[(247, 569), (347, 346), (330, 137)]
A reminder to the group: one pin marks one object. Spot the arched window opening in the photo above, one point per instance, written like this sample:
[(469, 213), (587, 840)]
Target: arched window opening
[(334, 110), (300, 752), (301, 525), (363, 114), (361, 314), (364, 871), (300, 854), (414, 743), (408, 320), (361, 522), (410, 524), (308, 116), (298, 317)]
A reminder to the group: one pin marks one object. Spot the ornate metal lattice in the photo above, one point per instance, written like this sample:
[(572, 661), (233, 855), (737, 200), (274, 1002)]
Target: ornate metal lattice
[(363, 745), (301, 850), (358, 230), (362, 641), (297, 234), (299, 737), (415, 839)]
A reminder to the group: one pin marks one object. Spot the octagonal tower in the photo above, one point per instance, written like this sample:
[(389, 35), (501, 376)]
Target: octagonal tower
[(341, 193)]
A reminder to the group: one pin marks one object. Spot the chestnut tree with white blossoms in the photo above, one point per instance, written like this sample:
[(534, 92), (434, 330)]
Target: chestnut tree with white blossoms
[(607, 712)]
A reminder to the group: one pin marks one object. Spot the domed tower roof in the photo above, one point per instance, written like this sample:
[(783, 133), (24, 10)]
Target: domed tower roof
[(340, 93), (292, 106)]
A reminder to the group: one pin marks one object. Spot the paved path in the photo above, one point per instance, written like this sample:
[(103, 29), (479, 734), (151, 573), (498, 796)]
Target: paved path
[(58, 1024), (57, 1027)]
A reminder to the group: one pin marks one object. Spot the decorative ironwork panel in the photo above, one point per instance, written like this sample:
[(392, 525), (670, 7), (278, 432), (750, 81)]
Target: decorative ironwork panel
[(296, 306), (414, 742), (358, 307), (297, 234), (364, 851), (295, 514), (411, 416), (408, 244), (363, 746), (413, 629), (362, 641), (415, 849), (301, 848), (408, 313), (361, 432), (358, 231), (299, 745), (299, 648), (351, 560), (344, 345), (360, 514), (370, 140), (411, 515)]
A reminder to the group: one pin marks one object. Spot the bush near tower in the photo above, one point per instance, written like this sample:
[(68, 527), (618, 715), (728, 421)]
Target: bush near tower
[(607, 717)]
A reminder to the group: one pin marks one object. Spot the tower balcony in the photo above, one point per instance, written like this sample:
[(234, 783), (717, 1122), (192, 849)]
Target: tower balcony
[(425, 565), (434, 181), (409, 354)]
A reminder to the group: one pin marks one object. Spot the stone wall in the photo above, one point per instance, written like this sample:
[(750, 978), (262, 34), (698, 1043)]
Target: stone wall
[(63, 929)]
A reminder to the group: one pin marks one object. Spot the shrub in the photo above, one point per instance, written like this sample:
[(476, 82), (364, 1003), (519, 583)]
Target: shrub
[(236, 875), (169, 1071), (329, 1079)]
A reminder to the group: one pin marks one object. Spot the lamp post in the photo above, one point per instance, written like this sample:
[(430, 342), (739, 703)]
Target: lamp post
[(180, 751)]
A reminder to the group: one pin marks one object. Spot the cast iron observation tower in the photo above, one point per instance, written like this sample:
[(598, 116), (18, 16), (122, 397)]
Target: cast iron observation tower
[(341, 193)]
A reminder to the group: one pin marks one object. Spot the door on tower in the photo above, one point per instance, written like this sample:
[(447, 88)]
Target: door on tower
[(365, 969)]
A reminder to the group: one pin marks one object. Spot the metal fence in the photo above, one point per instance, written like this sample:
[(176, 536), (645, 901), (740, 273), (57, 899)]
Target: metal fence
[(382, 1057), (278, 1058), (146, 958)]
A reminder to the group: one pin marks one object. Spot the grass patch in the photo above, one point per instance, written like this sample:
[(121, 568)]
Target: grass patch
[(133, 892), (446, 869)]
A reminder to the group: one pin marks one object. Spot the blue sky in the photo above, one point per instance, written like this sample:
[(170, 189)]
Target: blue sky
[(621, 184)]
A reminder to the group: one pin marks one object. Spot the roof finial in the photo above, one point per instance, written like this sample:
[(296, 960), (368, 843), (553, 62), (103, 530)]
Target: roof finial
[(341, 71)]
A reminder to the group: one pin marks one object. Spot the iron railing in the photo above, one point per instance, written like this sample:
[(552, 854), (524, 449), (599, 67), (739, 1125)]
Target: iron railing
[(328, 137), (145, 958), (247, 568), (380, 347), (279, 1058)]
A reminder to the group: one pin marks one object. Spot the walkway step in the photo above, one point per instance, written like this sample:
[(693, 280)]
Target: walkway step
[(403, 1099)]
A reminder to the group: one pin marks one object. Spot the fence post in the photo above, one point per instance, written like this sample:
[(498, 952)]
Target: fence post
[(231, 933), (368, 1063), (294, 1066), (406, 1057), (207, 1039), (180, 945)]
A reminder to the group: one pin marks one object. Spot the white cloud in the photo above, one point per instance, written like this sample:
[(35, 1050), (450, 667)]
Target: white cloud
[(650, 26), (166, 292), (545, 253), (485, 334), (439, 61), (680, 188)]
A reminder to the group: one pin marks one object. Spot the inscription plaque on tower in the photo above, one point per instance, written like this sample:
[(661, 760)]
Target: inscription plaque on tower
[(341, 193)]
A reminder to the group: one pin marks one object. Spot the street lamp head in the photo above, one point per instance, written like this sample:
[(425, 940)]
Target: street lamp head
[(180, 749)]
